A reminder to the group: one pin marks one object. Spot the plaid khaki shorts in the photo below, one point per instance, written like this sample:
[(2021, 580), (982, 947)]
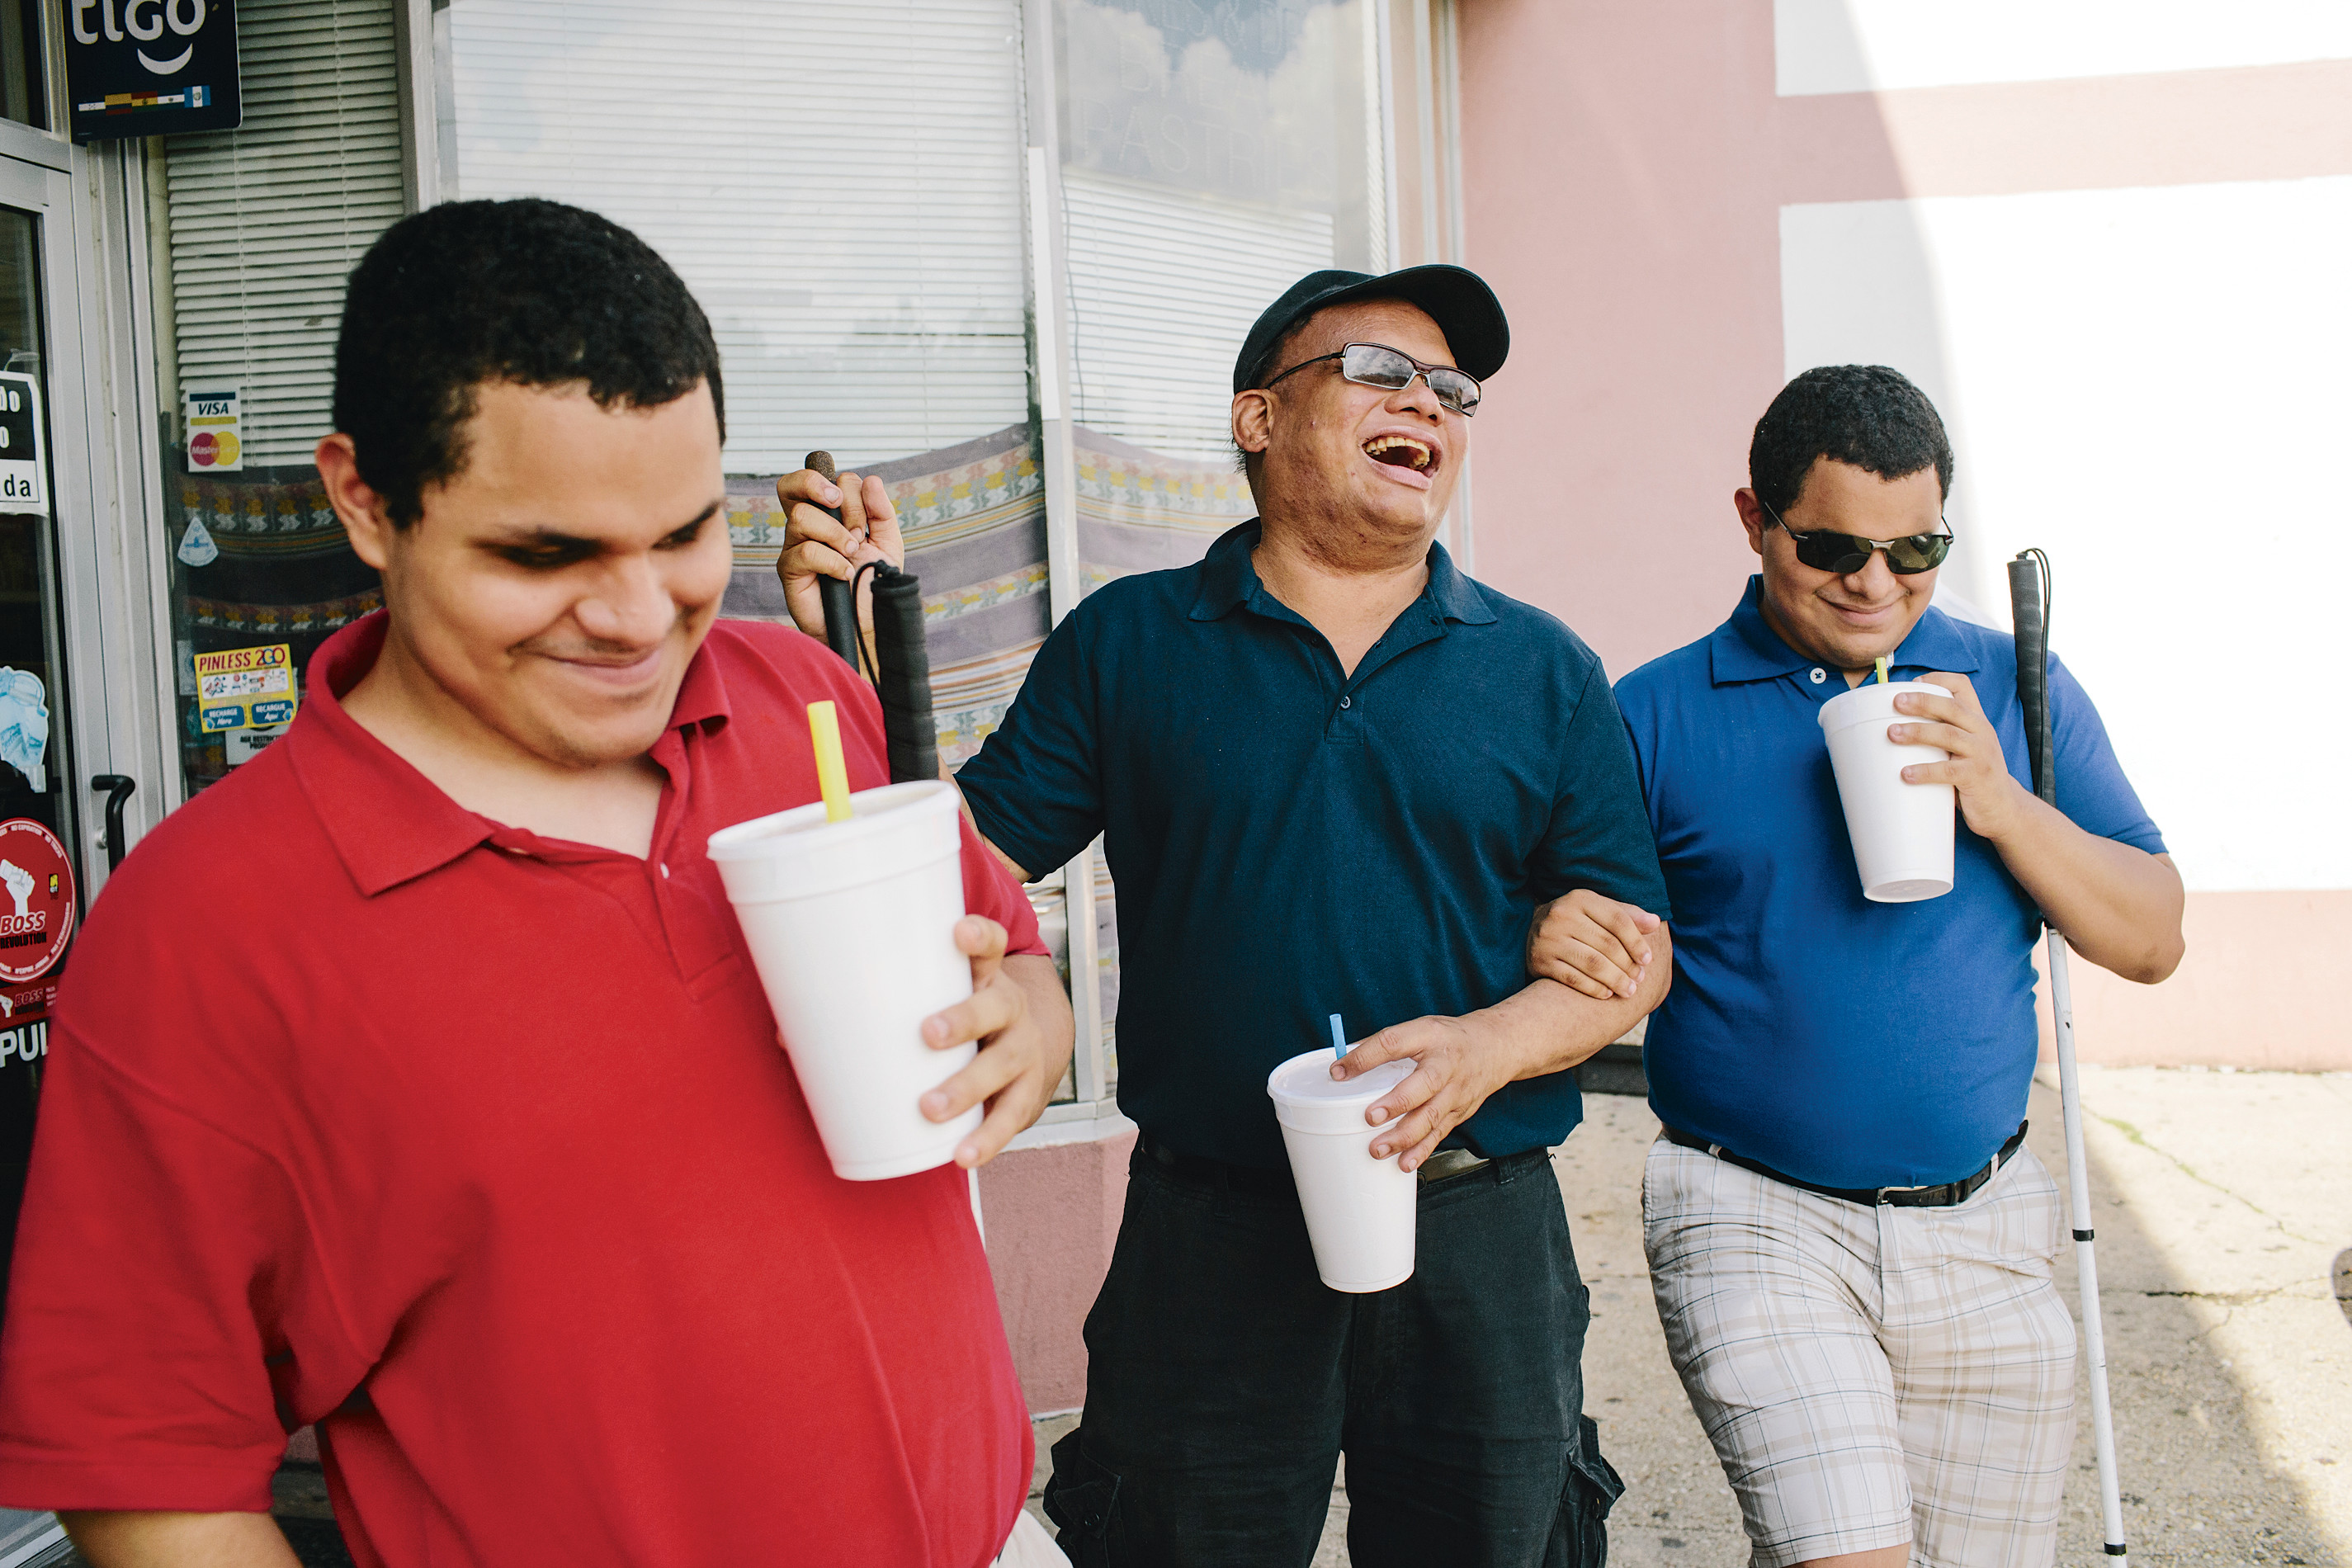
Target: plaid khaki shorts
[(1871, 1374)]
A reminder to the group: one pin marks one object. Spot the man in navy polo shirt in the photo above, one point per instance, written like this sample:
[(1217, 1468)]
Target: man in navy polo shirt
[(1850, 1247), (1334, 775)]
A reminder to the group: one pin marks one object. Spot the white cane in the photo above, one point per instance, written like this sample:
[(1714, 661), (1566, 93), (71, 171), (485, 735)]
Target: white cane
[(2029, 596)]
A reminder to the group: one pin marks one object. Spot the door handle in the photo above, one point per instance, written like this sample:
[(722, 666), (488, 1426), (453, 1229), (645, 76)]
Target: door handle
[(118, 788)]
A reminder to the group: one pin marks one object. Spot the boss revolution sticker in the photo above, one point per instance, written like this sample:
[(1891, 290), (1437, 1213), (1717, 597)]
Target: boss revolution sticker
[(37, 901)]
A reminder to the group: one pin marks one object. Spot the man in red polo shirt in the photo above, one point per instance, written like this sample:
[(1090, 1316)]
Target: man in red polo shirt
[(416, 1081)]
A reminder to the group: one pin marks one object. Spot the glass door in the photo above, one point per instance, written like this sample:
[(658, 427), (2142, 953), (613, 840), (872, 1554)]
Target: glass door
[(44, 823)]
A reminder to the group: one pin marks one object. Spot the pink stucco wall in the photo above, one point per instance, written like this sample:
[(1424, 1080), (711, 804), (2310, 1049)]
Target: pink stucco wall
[(1619, 192), (1050, 1216), (2263, 987), (1623, 167)]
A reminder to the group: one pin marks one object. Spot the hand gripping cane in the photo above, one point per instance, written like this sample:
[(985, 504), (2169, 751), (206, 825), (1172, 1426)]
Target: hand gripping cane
[(899, 661), (2029, 598)]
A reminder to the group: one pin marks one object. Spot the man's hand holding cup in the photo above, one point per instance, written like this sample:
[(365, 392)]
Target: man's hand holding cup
[(1009, 1074)]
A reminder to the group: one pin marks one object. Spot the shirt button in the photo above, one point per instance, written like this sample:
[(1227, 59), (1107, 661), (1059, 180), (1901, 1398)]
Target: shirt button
[(1347, 702), (665, 866), (1819, 675)]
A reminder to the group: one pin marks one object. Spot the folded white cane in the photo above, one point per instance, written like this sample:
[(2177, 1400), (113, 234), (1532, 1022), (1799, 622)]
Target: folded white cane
[(2029, 596)]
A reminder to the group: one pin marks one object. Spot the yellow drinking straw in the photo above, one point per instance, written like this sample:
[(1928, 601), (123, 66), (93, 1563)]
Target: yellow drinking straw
[(1882, 675), (832, 774)]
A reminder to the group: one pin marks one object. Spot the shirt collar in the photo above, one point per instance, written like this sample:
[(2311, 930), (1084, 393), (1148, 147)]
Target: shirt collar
[(388, 822), (1746, 647), (1229, 578)]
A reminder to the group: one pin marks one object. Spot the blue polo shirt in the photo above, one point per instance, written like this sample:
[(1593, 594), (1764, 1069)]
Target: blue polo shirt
[(1291, 842), (1846, 1042)]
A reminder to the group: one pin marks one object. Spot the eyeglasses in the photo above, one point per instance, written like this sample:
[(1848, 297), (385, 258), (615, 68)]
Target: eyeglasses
[(1391, 369), (1849, 552)]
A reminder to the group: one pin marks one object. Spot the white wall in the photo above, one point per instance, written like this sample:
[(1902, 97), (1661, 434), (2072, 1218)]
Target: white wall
[(2152, 385), (1855, 45)]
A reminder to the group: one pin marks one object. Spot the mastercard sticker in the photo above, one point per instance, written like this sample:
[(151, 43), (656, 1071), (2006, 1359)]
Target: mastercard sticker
[(215, 443)]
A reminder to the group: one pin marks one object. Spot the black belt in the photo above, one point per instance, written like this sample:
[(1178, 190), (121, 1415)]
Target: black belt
[(1945, 1196), (1443, 1165)]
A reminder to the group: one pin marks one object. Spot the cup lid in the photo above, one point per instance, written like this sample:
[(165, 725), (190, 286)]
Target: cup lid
[(1307, 1080), (874, 812), (1872, 700)]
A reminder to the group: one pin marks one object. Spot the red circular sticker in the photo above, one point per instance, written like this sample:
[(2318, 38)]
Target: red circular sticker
[(200, 448), (37, 900)]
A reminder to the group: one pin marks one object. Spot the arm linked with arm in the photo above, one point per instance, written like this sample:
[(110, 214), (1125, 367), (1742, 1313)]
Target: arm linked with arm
[(1545, 1028)]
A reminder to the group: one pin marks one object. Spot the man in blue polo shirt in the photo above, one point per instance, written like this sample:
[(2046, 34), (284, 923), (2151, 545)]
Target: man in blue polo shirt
[(1333, 775), (1851, 1247)]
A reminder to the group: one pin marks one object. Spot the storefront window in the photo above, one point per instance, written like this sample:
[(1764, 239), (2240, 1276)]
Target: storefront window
[(838, 184), (23, 91), (255, 233), (1213, 154), (38, 878)]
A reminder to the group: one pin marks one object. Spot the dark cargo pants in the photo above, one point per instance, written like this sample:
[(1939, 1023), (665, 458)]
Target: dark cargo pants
[(1224, 1381)]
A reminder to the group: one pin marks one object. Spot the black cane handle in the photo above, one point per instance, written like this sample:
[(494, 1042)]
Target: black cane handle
[(836, 594), (118, 788), (2028, 602)]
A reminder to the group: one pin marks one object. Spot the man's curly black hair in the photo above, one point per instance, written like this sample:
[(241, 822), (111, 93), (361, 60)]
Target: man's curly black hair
[(531, 292), (1866, 414)]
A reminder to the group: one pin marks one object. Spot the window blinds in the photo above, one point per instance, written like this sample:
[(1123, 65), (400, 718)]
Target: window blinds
[(1164, 285), (840, 185), (267, 221)]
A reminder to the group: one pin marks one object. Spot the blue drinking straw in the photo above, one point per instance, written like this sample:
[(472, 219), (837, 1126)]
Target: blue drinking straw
[(1339, 1038)]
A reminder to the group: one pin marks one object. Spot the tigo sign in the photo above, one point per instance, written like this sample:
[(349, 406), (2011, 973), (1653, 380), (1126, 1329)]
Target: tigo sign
[(152, 67)]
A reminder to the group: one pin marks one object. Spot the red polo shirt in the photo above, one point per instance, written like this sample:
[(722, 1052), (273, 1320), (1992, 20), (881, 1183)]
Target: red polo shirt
[(478, 1149)]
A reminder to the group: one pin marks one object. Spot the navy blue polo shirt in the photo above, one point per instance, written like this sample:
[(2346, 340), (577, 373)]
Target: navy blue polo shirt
[(1846, 1042), (1290, 842)]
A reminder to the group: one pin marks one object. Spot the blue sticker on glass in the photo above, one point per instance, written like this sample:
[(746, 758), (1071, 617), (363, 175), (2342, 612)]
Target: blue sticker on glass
[(24, 725)]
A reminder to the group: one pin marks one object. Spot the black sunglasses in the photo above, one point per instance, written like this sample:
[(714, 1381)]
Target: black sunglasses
[(1848, 553), (1392, 370)]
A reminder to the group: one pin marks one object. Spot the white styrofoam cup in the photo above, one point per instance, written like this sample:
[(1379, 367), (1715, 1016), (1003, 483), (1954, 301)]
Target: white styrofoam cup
[(1360, 1212), (851, 925), (1902, 833)]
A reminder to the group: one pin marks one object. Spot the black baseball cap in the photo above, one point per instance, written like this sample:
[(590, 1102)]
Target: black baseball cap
[(1456, 298)]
